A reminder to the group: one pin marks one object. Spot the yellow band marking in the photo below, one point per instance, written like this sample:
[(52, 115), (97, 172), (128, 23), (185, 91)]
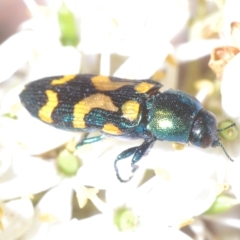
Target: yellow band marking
[(104, 83), (83, 107), (111, 129), (143, 87), (46, 111), (63, 80), (79, 112), (130, 110)]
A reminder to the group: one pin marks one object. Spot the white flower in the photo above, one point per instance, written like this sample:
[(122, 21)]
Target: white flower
[(27, 176), (38, 44), (229, 91), (16, 218), (55, 208), (19, 46), (131, 213), (229, 88)]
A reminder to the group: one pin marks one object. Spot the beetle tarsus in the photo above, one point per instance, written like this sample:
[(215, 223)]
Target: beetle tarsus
[(138, 152)]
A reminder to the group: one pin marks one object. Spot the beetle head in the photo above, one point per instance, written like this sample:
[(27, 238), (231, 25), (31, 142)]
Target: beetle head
[(204, 131)]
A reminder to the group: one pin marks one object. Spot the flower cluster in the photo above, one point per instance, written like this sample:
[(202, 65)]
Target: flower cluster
[(51, 190)]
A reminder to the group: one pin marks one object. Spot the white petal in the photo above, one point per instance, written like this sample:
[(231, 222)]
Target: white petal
[(99, 171), (121, 194), (102, 225), (31, 135), (196, 49), (66, 230), (171, 204), (234, 177), (54, 208), (57, 202), (28, 176), (166, 233), (230, 15), (88, 152), (166, 18), (14, 53), (98, 174), (230, 87), (5, 161), (189, 163), (144, 61), (17, 218), (10, 101), (78, 229), (57, 61)]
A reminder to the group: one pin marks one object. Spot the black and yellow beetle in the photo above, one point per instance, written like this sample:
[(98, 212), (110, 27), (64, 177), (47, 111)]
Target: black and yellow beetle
[(121, 108)]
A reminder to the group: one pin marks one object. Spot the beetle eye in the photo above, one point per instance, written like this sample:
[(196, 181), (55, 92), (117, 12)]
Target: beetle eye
[(200, 136), (204, 131)]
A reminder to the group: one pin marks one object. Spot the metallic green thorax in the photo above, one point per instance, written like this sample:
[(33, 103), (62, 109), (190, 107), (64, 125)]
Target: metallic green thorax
[(171, 115)]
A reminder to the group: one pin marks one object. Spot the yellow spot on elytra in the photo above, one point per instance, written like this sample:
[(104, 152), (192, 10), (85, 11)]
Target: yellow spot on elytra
[(130, 110), (143, 87), (104, 83), (46, 111), (83, 107), (111, 129), (79, 112), (63, 80)]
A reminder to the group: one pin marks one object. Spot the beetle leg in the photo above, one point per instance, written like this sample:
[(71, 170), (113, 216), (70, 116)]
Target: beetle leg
[(142, 150), (138, 152), (123, 155), (89, 140)]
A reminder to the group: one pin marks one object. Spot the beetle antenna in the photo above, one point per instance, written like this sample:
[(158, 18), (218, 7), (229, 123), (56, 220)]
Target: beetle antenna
[(223, 129), (220, 145)]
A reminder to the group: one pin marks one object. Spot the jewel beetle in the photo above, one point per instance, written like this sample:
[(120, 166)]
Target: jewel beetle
[(121, 108)]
